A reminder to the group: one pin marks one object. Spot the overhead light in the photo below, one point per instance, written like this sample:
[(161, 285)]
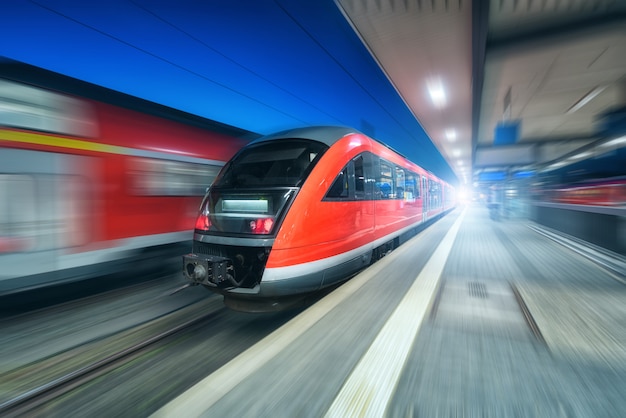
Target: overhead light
[(585, 99), (456, 152), (451, 134), (436, 92)]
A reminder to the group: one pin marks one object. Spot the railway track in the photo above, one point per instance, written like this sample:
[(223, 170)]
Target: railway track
[(28, 388)]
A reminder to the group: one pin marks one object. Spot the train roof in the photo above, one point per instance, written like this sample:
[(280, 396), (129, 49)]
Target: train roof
[(325, 134)]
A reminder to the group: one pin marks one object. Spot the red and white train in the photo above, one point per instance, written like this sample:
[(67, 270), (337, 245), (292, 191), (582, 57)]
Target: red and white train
[(610, 192), (87, 185), (305, 209)]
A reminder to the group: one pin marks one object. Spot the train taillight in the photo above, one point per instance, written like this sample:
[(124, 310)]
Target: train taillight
[(203, 222), (261, 226)]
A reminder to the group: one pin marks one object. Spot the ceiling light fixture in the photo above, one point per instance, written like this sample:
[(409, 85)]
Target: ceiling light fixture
[(585, 99), (451, 134), (436, 92)]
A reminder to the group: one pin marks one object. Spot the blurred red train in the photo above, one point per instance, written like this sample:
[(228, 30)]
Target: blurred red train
[(610, 192), (91, 178), (305, 209)]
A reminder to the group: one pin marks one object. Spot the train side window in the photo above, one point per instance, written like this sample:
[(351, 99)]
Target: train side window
[(339, 188), (352, 181), (385, 181), (155, 177), (418, 189), (32, 108), (434, 193), (425, 194), (410, 186), (430, 195), (359, 178), (400, 183), (370, 166)]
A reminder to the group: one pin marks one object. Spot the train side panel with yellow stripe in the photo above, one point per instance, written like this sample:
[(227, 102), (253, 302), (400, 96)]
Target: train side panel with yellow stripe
[(87, 186)]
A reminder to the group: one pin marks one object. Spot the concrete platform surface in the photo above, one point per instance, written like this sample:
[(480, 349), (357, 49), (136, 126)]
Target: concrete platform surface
[(472, 317)]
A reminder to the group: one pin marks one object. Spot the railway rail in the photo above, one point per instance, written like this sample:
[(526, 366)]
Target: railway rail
[(72, 368)]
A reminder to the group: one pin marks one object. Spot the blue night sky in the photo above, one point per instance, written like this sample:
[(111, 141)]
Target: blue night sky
[(259, 65)]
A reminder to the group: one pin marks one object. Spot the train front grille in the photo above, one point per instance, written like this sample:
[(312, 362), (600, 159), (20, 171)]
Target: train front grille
[(208, 249)]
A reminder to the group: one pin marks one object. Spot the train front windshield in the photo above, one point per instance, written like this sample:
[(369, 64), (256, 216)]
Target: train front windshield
[(281, 163), (250, 194)]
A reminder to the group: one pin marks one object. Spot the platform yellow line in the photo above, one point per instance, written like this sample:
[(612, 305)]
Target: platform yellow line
[(371, 384)]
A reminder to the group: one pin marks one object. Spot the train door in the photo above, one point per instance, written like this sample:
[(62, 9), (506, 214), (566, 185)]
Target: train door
[(425, 198)]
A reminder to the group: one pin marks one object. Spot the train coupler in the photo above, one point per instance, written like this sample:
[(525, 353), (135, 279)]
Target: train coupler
[(208, 269)]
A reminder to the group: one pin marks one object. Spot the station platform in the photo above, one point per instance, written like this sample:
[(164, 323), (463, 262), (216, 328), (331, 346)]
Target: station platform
[(472, 317)]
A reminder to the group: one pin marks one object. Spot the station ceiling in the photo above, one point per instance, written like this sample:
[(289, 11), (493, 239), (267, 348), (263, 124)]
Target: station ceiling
[(462, 88)]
